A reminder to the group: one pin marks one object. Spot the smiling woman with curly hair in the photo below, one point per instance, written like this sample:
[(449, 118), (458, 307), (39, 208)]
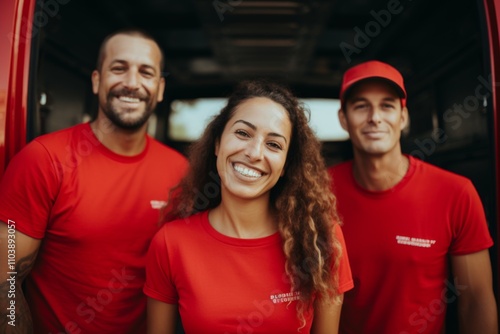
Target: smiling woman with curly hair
[(255, 246)]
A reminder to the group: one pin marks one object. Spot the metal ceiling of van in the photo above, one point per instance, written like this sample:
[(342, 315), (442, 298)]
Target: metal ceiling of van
[(310, 42), (217, 42)]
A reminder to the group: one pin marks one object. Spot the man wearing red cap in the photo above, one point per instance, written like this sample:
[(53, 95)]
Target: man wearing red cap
[(417, 235)]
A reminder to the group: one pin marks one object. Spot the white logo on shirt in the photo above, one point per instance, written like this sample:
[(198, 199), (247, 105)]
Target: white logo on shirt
[(285, 297), (158, 204), (416, 242)]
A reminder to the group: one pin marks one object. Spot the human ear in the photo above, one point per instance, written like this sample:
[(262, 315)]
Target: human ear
[(342, 119), (96, 80), (217, 143), (161, 89), (405, 117)]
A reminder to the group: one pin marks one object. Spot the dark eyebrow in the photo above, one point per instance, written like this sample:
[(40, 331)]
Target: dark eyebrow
[(391, 99), (357, 99), (119, 61), (362, 99), (124, 62), (253, 127)]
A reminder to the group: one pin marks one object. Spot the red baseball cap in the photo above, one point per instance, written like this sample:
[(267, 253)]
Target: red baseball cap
[(373, 69)]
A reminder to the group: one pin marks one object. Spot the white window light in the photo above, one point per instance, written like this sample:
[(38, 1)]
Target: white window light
[(189, 118)]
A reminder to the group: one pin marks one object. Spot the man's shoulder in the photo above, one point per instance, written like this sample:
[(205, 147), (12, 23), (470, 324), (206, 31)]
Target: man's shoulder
[(168, 152), (340, 168), (157, 145), (50, 144), (440, 174), (63, 136), (179, 227)]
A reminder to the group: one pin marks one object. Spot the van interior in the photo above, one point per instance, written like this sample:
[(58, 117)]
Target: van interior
[(441, 47)]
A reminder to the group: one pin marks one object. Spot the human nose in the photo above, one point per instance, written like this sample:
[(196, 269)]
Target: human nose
[(254, 150), (131, 79), (375, 116)]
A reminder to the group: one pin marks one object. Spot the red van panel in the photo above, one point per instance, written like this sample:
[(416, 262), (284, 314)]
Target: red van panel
[(16, 17), (492, 10)]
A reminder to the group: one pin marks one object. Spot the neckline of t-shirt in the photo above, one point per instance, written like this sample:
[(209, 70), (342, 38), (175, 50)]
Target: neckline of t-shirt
[(257, 242), (401, 184), (118, 157)]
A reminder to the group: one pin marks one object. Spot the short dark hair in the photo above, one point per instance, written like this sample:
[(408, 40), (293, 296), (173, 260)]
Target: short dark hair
[(129, 32)]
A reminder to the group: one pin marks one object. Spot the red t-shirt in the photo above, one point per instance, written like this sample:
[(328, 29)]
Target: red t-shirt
[(399, 242), (223, 284), (96, 213)]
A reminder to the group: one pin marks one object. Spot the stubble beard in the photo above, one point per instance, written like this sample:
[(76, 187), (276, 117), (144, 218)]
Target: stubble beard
[(116, 117)]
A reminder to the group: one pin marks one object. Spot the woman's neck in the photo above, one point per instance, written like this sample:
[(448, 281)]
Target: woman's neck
[(246, 219)]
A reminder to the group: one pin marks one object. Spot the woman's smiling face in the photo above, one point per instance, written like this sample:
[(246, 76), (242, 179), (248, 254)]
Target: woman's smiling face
[(252, 150)]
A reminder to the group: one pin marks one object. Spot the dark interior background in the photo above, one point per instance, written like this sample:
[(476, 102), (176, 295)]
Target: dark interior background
[(439, 46)]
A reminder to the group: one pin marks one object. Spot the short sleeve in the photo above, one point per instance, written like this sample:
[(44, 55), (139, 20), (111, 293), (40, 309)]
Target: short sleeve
[(344, 270), (28, 190), (470, 229), (159, 284)]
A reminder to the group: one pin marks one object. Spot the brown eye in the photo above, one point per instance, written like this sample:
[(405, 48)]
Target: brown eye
[(118, 69), (147, 74), (275, 146), (360, 106), (242, 133)]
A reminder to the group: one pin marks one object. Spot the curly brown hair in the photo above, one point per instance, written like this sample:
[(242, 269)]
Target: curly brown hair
[(302, 198)]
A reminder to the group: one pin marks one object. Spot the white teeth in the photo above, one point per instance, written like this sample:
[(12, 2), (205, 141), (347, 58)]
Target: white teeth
[(247, 172), (129, 99)]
